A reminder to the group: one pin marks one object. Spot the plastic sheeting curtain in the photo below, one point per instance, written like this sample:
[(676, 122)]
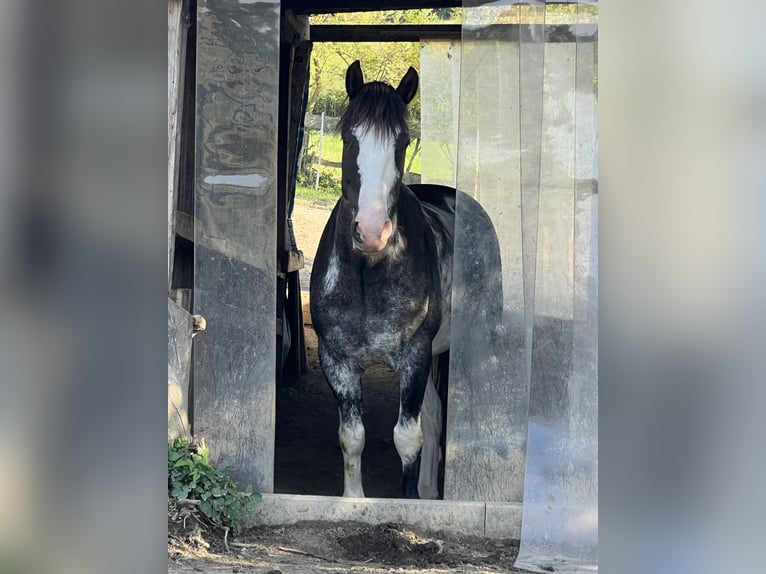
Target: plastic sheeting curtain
[(523, 425), (440, 92)]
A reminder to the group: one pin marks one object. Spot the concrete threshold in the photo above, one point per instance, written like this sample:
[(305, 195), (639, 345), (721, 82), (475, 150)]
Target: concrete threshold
[(468, 518)]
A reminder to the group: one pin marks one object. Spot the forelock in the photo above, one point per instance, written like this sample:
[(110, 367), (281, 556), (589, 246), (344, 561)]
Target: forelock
[(377, 106)]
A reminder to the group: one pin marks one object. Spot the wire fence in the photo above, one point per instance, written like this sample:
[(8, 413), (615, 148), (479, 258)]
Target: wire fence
[(320, 161)]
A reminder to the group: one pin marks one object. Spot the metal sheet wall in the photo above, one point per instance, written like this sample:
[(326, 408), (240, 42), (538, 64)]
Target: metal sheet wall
[(235, 233)]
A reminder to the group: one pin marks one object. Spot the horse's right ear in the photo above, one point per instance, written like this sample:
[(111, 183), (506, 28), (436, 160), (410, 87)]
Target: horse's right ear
[(354, 79), (408, 87)]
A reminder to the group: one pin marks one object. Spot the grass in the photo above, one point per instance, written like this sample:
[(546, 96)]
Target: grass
[(323, 196), (332, 145), (332, 151)]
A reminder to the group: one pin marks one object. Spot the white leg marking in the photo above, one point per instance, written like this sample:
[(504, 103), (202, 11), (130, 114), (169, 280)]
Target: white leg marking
[(408, 439), (431, 423), (351, 436), (331, 277)]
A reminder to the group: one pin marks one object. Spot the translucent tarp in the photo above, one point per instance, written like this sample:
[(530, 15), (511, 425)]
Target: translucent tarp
[(439, 97), (560, 516), (488, 391), (523, 404), (235, 233)]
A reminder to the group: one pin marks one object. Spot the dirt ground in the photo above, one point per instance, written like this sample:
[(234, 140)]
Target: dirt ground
[(308, 223), (312, 548), (308, 460)]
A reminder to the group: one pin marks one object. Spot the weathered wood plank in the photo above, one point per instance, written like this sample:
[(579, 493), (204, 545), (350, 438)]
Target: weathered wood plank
[(554, 33), (384, 32), (176, 44)]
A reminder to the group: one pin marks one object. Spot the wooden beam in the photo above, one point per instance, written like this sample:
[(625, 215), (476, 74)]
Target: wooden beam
[(334, 6), (554, 33), (294, 29), (384, 32), (338, 6)]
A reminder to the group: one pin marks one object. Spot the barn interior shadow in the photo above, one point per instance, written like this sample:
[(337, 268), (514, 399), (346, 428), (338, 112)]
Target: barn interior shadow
[(308, 459)]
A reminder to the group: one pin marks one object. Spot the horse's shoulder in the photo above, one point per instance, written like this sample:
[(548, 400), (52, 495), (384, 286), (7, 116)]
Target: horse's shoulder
[(436, 203), (440, 197)]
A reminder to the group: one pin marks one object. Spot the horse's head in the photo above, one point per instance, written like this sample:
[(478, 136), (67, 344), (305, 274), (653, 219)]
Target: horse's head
[(375, 137)]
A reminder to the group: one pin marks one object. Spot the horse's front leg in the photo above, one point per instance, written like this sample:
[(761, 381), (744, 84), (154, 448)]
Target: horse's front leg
[(345, 379), (414, 369)]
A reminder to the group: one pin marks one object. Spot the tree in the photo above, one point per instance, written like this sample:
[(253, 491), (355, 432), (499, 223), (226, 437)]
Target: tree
[(385, 62)]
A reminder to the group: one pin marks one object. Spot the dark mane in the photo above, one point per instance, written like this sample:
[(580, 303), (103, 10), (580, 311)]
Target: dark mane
[(377, 104)]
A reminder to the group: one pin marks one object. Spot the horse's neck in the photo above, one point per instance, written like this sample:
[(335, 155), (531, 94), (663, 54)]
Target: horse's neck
[(341, 237), (342, 231)]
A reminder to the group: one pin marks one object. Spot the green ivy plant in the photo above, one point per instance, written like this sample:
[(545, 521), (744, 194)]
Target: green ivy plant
[(192, 479)]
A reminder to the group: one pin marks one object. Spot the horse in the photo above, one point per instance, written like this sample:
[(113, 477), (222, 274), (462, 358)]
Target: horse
[(381, 282)]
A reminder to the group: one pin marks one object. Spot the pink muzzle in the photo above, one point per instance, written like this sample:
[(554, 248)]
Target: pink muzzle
[(373, 230)]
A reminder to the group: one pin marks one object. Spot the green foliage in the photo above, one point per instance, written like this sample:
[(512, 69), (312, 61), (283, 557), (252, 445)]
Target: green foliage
[(328, 191), (306, 195), (192, 477), (329, 187), (385, 62), (381, 61), (329, 183)]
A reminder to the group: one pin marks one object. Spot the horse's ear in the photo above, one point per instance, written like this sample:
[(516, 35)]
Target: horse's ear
[(354, 79), (408, 87)]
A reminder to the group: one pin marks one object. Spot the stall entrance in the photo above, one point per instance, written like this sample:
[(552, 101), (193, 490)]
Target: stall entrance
[(308, 459)]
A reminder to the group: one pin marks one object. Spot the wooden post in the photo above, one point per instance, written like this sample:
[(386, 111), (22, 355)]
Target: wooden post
[(176, 44), (319, 157)]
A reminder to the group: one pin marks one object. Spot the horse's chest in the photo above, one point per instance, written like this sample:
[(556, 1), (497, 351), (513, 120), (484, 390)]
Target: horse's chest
[(373, 325)]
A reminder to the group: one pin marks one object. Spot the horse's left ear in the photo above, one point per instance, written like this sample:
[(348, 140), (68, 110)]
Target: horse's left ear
[(408, 87), (354, 79)]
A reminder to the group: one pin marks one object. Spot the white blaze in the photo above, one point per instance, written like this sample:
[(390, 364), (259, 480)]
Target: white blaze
[(377, 175)]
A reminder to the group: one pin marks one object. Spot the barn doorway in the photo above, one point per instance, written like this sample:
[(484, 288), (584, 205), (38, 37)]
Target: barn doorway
[(308, 458)]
